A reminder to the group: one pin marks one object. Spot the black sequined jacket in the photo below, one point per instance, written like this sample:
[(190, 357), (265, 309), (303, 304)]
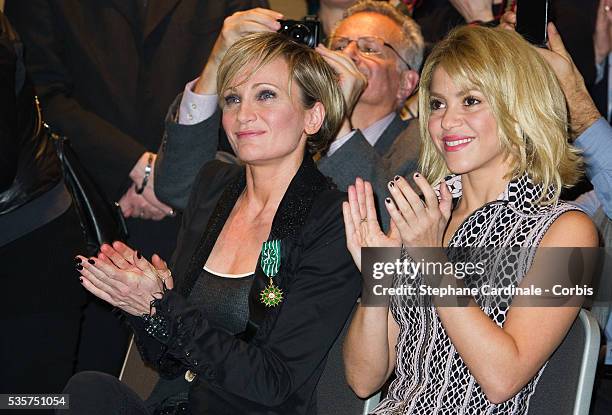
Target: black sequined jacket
[(274, 366)]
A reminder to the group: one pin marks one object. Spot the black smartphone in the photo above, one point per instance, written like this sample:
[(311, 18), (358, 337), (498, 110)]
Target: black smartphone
[(532, 16)]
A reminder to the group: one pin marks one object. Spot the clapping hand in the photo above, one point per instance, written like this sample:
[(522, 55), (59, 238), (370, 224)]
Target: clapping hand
[(124, 278), (361, 223), (421, 224)]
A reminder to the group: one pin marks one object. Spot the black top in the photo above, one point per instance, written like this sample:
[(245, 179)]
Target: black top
[(274, 366), (225, 300)]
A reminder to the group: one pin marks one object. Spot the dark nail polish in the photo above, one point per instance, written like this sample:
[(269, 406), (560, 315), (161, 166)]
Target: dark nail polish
[(77, 260), (79, 267), (81, 279), (417, 175), (396, 178), (391, 184), (138, 255), (91, 261), (388, 200)]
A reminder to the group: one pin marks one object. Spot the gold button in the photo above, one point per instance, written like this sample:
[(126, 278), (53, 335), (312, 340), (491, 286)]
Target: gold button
[(190, 376)]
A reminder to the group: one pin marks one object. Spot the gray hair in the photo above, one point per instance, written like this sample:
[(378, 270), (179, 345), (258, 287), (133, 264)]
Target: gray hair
[(412, 44)]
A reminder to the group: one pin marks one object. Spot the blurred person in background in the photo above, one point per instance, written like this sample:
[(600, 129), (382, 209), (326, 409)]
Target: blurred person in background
[(105, 72), (329, 12), (40, 235)]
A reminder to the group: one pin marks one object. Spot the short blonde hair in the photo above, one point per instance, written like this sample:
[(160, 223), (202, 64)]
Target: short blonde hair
[(317, 80), (525, 99)]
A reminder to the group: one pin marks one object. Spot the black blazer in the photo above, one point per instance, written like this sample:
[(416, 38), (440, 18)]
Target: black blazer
[(106, 72), (274, 366)]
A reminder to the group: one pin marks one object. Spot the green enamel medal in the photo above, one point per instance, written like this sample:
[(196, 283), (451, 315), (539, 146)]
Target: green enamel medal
[(271, 296)]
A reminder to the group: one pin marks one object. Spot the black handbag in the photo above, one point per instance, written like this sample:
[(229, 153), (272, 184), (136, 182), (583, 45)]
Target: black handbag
[(101, 221)]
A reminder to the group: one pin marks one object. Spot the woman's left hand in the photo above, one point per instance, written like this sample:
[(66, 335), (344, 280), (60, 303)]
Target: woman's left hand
[(127, 282), (420, 224), (361, 223)]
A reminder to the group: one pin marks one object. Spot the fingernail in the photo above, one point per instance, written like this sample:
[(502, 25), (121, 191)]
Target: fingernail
[(417, 175), (91, 261), (391, 184), (388, 200), (81, 280), (77, 260), (396, 178), (138, 255), (79, 267)]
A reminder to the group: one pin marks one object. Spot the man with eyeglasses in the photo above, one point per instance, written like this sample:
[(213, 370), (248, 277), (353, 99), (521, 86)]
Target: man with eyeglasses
[(373, 44), (387, 48)]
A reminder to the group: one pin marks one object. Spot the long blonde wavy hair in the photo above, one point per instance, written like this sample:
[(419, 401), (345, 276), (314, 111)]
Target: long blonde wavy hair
[(525, 99)]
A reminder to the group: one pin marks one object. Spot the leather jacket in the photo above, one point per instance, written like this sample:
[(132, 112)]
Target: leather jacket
[(28, 162)]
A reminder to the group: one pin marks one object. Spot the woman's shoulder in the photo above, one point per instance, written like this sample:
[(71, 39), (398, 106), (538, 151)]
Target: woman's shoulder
[(217, 172), (329, 199), (325, 218), (571, 228), (212, 179)]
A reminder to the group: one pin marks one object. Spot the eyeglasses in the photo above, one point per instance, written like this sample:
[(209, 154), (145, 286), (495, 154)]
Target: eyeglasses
[(367, 45)]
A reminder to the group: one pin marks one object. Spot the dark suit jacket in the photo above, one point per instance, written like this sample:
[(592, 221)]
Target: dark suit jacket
[(274, 366), (186, 147), (395, 153), (106, 73)]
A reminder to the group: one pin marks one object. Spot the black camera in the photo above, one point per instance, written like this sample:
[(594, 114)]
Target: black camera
[(307, 31)]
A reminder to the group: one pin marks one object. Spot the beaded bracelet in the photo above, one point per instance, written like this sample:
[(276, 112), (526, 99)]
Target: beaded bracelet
[(156, 325)]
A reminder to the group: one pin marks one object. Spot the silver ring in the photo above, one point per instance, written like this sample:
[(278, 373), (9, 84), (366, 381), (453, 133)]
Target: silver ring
[(163, 279)]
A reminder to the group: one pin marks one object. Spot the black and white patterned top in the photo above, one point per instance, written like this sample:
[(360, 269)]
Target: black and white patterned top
[(431, 377)]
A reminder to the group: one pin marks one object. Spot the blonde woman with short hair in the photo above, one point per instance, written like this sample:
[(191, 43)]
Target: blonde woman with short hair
[(261, 282)]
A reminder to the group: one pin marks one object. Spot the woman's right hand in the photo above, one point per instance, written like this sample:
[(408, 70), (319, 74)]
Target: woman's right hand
[(361, 223), (126, 258), (124, 278), (235, 27)]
